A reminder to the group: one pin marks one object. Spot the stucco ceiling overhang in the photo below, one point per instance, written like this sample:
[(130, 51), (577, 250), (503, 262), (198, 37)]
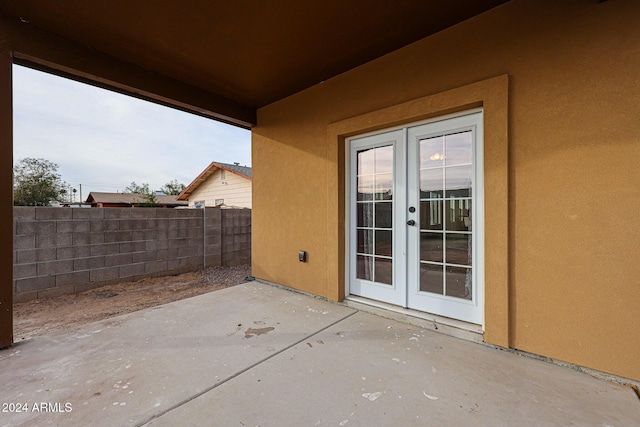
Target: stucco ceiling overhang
[(218, 58)]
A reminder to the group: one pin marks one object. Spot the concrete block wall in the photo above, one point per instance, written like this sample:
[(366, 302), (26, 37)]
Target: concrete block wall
[(61, 251), (236, 236), (213, 236)]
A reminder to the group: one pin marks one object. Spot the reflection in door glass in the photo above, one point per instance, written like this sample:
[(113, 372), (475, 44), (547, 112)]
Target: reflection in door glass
[(365, 187), (459, 148), (384, 243), (431, 184), (383, 271), (446, 170), (458, 248), (431, 152), (365, 242), (431, 246), (366, 160), (364, 267), (384, 215), (458, 214), (384, 187), (431, 215), (458, 181), (458, 280), (374, 211), (364, 215), (383, 160), (431, 278)]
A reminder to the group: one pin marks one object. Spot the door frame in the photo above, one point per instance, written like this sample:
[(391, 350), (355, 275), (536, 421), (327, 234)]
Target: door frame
[(492, 94), (400, 253)]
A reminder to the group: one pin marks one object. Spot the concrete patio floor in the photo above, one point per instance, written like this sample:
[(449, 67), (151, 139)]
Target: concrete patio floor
[(258, 355)]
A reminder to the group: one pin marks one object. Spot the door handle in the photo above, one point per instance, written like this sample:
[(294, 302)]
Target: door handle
[(411, 222)]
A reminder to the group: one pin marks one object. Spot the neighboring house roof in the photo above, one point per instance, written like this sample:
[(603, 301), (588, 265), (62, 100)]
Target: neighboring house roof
[(130, 199), (243, 171)]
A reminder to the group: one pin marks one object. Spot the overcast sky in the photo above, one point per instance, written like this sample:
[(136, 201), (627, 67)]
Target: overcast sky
[(105, 140)]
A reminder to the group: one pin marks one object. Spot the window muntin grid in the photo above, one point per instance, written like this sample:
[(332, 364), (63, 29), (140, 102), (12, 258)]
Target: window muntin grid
[(446, 191), (374, 214)]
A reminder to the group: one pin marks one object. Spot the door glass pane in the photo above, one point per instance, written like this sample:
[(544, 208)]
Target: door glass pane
[(384, 187), (365, 215), (458, 148), (365, 242), (364, 267), (365, 187), (431, 184), (384, 242), (384, 214), (458, 248), (431, 247), (384, 160), (458, 282), (366, 162), (431, 215), (431, 278), (458, 214), (383, 271), (432, 152), (458, 181)]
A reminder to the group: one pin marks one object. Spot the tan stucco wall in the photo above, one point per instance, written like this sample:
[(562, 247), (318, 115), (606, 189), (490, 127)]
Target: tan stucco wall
[(573, 93), (234, 189)]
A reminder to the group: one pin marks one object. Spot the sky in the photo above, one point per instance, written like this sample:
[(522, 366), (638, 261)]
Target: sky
[(105, 140)]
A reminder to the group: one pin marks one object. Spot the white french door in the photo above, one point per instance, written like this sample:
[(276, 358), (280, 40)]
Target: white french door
[(416, 217), (378, 184)]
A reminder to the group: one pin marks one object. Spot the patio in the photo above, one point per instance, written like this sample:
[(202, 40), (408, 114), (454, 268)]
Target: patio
[(256, 354)]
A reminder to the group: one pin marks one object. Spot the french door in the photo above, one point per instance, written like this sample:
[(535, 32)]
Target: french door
[(416, 217)]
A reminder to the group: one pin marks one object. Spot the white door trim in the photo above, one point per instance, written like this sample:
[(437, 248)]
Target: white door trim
[(401, 240)]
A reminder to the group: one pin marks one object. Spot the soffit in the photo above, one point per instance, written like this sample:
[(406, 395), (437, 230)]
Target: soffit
[(250, 52)]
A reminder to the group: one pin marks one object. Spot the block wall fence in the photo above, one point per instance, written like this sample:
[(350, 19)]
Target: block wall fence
[(58, 251)]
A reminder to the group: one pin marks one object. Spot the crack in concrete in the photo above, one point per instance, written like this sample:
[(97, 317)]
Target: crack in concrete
[(242, 371)]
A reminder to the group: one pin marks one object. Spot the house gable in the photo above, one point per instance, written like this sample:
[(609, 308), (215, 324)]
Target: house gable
[(220, 183)]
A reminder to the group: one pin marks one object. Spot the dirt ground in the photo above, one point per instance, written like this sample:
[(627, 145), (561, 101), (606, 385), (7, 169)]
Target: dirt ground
[(46, 316)]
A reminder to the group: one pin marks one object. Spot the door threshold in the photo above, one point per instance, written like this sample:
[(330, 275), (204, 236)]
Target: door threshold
[(433, 322)]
